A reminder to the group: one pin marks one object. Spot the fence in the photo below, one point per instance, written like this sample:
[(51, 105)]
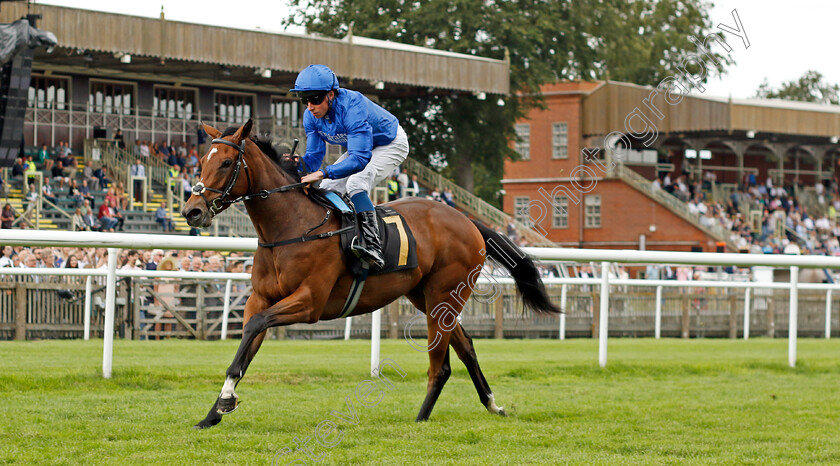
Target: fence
[(113, 240)]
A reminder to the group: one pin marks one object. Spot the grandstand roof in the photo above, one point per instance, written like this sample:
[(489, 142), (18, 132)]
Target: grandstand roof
[(95, 40), (606, 107)]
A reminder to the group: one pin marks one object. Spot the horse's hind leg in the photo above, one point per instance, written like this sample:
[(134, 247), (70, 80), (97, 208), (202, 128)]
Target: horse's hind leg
[(463, 346)]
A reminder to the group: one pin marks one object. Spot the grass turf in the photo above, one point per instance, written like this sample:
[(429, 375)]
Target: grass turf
[(667, 401)]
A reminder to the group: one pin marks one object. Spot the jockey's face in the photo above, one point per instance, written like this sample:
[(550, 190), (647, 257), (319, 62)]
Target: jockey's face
[(320, 110)]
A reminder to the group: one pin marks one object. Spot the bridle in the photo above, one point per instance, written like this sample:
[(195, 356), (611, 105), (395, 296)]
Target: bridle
[(221, 202)]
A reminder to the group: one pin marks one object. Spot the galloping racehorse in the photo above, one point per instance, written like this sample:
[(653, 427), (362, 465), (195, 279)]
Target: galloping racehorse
[(309, 281)]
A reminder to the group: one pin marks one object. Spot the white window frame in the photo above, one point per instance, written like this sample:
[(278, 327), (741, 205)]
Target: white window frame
[(253, 114), (560, 140), (592, 215), (523, 146), (560, 212), (521, 210)]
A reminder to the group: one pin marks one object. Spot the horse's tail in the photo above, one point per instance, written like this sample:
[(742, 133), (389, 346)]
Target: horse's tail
[(521, 268)]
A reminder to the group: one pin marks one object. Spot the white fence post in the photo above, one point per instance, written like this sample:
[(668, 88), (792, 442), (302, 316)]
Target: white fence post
[(110, 305), (88, 304), (348, 323), (793, 313), (563, 291), (657, 325), (828, 314), (226, 310), (375, 327), (605, 307), (747, 309)]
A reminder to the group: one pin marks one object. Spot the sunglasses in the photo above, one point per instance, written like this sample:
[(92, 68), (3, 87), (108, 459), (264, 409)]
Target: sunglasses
[(314, 99)]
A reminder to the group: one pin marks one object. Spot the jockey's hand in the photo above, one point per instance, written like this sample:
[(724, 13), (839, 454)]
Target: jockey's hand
[(313, 177)]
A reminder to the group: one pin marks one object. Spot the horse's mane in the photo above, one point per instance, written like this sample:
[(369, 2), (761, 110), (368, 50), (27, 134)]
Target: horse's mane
[(273, 151)]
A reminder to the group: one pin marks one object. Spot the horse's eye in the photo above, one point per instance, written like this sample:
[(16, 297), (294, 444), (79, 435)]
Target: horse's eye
[(227, 163)]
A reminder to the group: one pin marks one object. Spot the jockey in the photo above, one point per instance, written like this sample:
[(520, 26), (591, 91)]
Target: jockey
[(376, 144)]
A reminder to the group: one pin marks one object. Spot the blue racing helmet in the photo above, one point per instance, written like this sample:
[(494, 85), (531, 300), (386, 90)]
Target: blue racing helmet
[(317, 78)]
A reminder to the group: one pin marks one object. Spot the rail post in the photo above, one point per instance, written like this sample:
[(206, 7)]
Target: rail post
[(110, 305), (88, 304), (828, 314), (604, 314), (794, 315), (226, 310), (563, 297), (747, 309), (375, 330), (657, 324)]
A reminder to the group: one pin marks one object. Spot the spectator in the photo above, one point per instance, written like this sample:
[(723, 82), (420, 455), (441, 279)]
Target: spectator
[(186, 186), (393, 188), (44, 157), (162, 217), (7, 217), (107, 217), (414, 186), (60, 173), (6, 254), (101, 174), (91, 223), (87, 176), (78, 220), (118, 136), (192, 160), (402, 178), (138, 170), (18, 168), (121, 196), (74, 193), (84, 190), (447, 197)]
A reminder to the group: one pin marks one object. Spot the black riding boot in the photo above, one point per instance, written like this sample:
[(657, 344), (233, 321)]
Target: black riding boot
[(368, 246)]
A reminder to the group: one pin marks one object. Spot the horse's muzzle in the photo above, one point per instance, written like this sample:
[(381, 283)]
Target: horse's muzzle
[(197, 216)]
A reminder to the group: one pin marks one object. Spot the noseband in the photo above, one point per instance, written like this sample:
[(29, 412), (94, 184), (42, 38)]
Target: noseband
[(221, 202)]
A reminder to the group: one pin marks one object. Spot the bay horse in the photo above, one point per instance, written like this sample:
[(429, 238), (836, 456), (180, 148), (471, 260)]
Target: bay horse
[(309, 281)]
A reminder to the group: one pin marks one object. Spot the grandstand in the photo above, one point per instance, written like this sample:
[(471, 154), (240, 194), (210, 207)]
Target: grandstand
[(706, 174)]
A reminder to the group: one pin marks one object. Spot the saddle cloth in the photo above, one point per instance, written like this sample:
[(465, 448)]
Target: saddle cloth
[(398, 244)]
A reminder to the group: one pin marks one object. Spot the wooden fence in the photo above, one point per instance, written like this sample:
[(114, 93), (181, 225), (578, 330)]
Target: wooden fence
[(158, 308)]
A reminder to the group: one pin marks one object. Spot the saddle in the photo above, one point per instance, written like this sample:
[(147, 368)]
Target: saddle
[(398, 244)]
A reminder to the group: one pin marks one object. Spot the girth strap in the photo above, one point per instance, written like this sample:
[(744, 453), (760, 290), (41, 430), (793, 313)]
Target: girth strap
[(302, 239)]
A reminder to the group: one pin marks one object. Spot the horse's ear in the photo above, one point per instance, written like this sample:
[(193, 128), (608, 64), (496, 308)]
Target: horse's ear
[(211, 131), (243, 132)]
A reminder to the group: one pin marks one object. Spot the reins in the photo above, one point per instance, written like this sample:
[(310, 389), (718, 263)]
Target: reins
[(222, 201)]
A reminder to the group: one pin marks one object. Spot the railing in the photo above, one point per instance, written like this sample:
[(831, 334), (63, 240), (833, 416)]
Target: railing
[(238, 223), (142, 123), (673, 204), (122, 240), (473, 204)]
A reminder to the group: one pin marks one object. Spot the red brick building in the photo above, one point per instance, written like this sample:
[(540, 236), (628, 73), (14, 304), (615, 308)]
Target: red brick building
[(564, 187)]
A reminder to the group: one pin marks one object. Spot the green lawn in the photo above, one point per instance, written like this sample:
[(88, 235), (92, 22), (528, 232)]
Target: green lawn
[(667, 401)]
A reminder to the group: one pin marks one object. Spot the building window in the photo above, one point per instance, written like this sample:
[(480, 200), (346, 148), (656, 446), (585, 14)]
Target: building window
[(560, 213), (48, 92), (111, 98), (523, 146), (522, 211), (560, 140), (593, 211), (233, 108), (285, 112), (174, 102)]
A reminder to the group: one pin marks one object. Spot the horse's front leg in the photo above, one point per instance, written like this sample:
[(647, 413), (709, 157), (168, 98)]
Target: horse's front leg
[(297, 307)]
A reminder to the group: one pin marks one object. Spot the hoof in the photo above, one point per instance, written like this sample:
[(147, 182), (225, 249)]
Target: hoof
[(501, 412), (227, 405)]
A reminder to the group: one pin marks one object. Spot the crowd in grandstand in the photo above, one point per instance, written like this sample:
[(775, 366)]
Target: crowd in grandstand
[(784, 225), (129, 259)]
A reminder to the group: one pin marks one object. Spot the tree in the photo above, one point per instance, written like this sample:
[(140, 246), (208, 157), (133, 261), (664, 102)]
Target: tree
[(808, 88), (545, 40)]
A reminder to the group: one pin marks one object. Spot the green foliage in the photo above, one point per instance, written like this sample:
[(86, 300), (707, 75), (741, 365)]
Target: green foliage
[(810, 87), (546, 40), (666, 401)]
